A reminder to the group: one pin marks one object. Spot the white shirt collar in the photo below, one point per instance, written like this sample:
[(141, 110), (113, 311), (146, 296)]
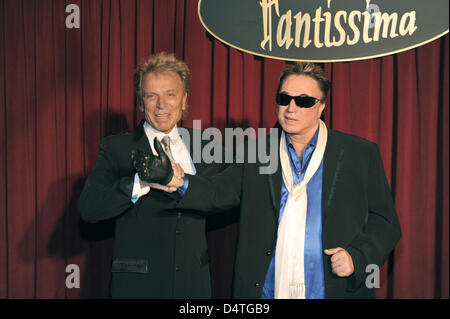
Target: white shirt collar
[(151, 133)]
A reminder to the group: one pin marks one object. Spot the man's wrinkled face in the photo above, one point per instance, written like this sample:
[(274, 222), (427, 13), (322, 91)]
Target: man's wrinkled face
[(296, 120), (164, 99)]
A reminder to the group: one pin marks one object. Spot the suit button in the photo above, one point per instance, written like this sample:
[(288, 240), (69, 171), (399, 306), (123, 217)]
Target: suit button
[(177, 268), (268, 253), (257, 284)]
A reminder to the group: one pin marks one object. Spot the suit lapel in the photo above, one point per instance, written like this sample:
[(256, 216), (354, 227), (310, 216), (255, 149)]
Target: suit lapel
[(331, 169), (140, 138), (275, 191), (274, 180)]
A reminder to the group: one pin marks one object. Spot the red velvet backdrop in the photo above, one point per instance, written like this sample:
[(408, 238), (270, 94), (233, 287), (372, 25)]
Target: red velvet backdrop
[(62, 89)]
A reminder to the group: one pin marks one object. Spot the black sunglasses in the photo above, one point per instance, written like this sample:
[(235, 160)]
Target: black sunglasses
[(303, 100)]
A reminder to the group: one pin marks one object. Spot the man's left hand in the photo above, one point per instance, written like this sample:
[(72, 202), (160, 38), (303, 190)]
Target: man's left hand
[(341, 261)]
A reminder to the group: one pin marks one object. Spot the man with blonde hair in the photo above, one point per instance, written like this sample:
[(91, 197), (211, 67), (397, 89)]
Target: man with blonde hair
[(156, 254)]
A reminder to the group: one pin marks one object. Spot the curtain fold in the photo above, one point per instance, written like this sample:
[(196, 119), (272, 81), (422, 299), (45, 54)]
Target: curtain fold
[(62, 90)]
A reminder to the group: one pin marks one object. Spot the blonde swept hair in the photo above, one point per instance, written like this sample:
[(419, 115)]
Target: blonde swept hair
[(162, 62)]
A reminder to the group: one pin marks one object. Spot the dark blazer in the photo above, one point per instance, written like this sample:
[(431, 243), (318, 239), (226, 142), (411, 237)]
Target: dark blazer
[(358, 214), (158, 252)]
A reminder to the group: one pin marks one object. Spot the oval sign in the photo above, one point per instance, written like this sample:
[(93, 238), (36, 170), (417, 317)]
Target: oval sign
[(324, 30)]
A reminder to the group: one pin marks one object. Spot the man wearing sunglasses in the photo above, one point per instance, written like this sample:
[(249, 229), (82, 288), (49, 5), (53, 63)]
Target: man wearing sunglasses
[(311, 229)]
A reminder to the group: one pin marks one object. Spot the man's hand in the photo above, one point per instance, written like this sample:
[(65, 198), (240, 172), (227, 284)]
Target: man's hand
[(178, 174), (177, 180), (150, 168), (341, 261)]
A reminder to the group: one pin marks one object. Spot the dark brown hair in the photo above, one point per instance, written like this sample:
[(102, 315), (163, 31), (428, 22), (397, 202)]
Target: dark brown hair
[(310, 69)]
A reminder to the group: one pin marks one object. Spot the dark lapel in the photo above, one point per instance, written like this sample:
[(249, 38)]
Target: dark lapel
[(331, 169), (274, 180), (140, 138)]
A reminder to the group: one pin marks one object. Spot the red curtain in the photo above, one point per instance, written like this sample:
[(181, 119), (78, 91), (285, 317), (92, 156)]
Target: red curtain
[(62, 89)]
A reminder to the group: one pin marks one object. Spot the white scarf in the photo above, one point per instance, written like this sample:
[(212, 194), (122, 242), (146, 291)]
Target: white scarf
[(289, 257)]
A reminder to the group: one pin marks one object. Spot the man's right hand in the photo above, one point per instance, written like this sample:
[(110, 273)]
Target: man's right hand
[(151, 168), (177, 180)]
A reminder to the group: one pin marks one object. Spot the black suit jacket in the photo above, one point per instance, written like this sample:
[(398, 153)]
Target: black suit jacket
[(158, 252), (358, 214)]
